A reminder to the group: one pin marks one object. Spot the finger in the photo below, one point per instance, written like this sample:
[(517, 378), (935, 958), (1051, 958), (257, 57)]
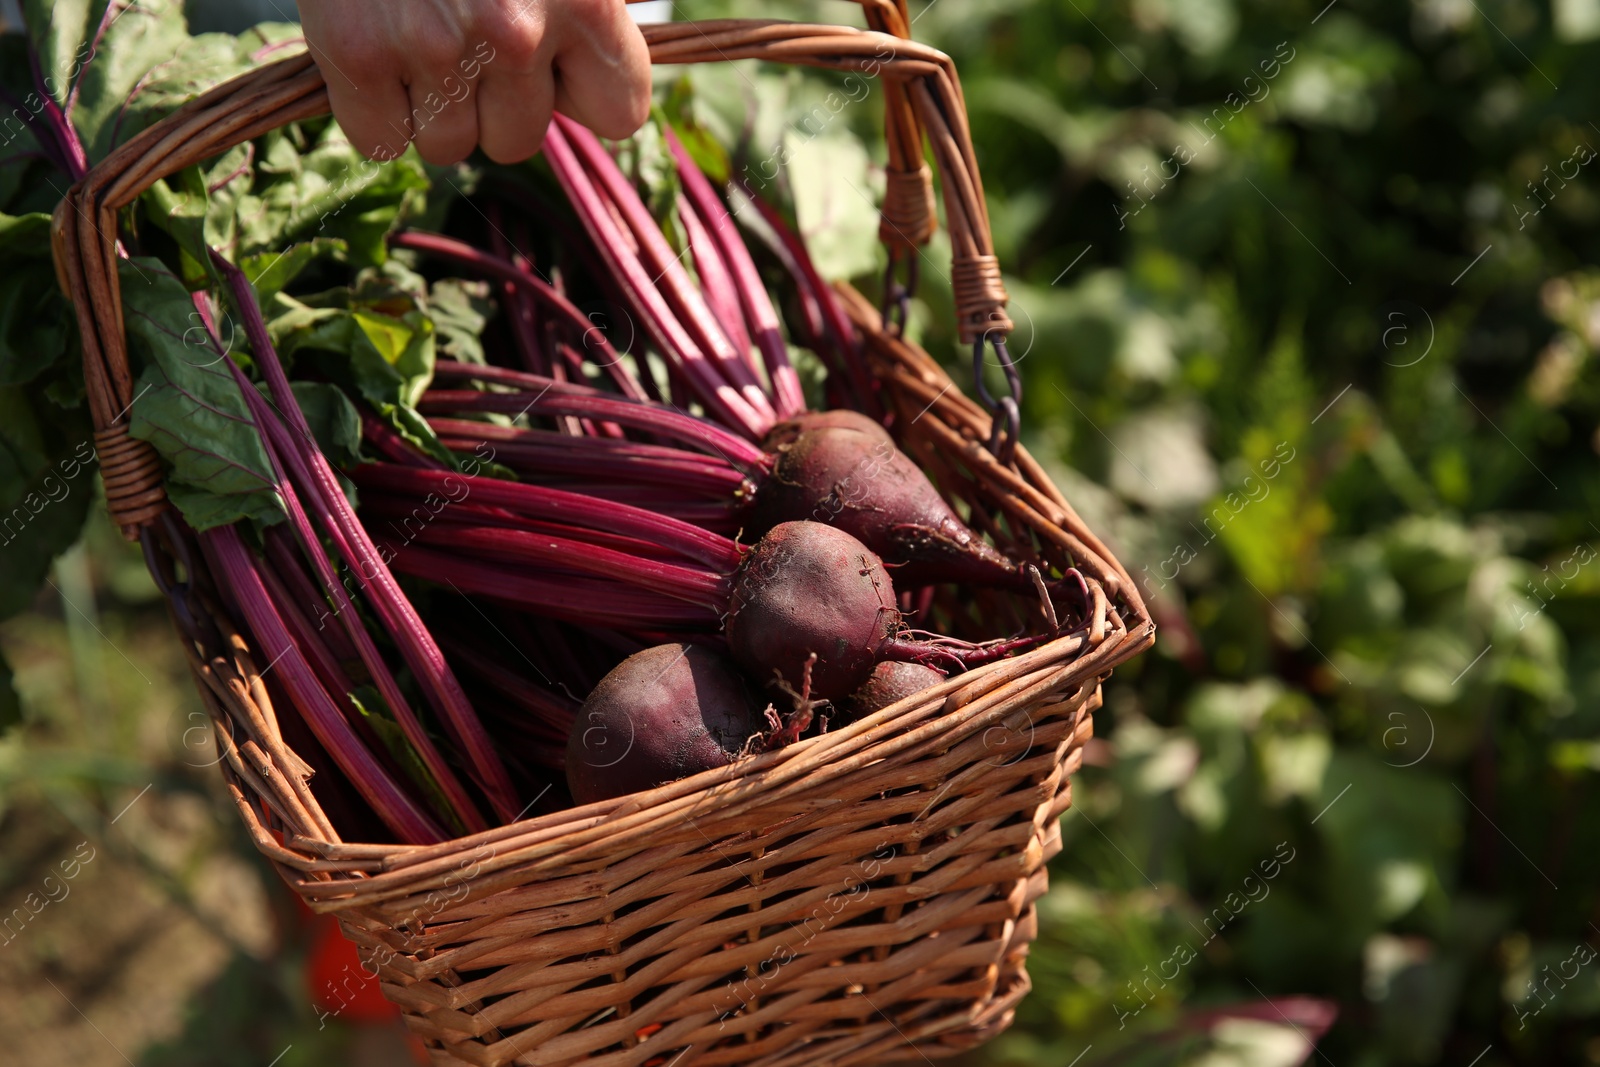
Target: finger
[(372, 117), (367, 99), (603, 72), (443, 120), (514, 110)]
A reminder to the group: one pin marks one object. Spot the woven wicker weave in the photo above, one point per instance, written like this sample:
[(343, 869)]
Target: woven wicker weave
[(860, 896)]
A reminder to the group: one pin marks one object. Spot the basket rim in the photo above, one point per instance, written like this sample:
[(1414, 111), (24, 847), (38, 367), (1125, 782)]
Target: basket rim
[(768, 768)]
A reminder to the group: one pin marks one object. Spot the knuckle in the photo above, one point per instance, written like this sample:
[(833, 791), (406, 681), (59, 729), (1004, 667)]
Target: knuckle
[(444, 149), (363, 60), (639, 109), (514, 35), (619, 118), (436, 53), (613, 111), (517, 45), (371, 142), (439, 155)]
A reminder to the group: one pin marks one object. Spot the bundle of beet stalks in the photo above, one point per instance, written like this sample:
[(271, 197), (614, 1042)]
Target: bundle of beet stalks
[(630, 549)]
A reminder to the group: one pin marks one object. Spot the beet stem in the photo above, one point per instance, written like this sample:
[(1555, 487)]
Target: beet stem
[(522, 277), (561, 596), (463, 808), (542, 551), (836, 324), (711, 550), (788, 398), (389, 802), (280, 449), (962, 654), (668, 268), (553, 397), (394, 610), (716, 283), (723, 399), (550, 453)]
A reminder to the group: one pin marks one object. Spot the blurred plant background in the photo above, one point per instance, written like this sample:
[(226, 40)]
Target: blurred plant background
[(1306, 299)]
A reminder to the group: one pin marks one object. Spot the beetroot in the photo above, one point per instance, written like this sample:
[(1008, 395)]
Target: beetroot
[(837, 467), (660, 715), (803, 589), (889, 682), (808, 588), (785, 432), (813, 607), (855, 478)]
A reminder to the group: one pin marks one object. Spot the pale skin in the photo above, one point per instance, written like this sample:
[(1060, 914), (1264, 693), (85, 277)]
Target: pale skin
[(453, 75)]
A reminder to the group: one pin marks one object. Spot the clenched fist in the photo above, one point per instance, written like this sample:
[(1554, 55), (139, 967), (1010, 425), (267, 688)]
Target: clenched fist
[(454, 74)]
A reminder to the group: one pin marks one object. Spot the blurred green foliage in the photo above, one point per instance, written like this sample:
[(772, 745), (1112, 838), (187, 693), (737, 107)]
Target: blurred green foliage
[(1309, 290), (1307, 314), (1308, 319)]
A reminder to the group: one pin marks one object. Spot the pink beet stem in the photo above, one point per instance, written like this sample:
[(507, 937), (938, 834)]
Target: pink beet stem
[(762, 318), (963, 655), (396, 613), (394, 447), (541, 551), (407, 518), (836, 325), (283, 552), (462, 803), (560, 595), (523, 278), (716, 282), (721, 397), (667, 267), (238, 570), (517, 302), (558, 505), (689, 471), (548, 396), (559, 454), (554, 712), (281, 447)]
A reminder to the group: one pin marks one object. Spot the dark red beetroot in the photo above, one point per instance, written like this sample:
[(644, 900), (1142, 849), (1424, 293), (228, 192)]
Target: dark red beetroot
[(785, 432), (660, 715), (855, 479), (808, 588), (804, 589), (837, 467), (890, 682)]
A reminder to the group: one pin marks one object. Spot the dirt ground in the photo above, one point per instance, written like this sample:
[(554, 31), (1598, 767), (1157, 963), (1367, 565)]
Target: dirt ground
[(137, 924)]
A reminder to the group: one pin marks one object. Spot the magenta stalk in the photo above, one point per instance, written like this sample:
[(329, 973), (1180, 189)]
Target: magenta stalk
[(238, 569), (666, 266), (759, 314), (610, 236), (523, 278), (395, 611), (545, 396)]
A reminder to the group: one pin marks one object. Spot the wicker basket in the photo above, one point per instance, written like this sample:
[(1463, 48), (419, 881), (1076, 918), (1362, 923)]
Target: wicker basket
[(861, 896)]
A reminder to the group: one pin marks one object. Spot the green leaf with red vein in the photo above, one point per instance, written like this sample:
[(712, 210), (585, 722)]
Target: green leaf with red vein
[(188, 405)]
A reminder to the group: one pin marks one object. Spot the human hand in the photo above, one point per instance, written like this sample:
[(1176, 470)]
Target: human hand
[(453, 74)]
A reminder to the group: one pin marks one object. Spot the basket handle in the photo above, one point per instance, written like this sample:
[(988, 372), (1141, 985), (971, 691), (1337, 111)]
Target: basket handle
[(908, 214), (84, 229)]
